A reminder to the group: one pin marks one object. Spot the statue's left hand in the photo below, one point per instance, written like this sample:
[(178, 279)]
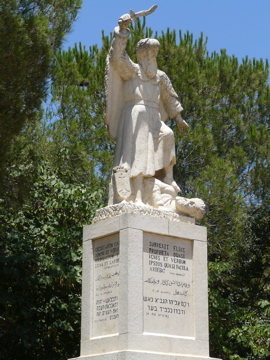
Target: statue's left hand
[(181, 124)]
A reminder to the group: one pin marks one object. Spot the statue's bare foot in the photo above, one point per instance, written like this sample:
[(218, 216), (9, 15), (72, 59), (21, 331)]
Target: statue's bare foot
[(170, 181)]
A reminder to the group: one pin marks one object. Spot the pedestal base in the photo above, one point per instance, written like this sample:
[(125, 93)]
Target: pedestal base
[(144, 289), (137, 355)]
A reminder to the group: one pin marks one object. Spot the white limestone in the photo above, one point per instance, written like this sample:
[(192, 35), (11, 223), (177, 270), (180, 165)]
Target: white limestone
[(144, 289), (125, 207), (139, 100), (106, 289), (168, 286)]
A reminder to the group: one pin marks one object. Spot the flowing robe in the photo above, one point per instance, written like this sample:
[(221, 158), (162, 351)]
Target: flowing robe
[(137, 108)]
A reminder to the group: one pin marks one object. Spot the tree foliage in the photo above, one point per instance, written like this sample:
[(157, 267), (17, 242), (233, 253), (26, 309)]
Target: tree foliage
[(41, 264), (76, 114), (31, 31), (65, 165)]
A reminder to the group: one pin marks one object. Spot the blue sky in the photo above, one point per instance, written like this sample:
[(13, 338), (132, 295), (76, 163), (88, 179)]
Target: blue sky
[(242, 27)]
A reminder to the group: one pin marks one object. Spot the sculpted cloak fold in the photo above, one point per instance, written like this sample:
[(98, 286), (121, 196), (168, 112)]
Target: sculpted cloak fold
[(137, 108), (139, 100)]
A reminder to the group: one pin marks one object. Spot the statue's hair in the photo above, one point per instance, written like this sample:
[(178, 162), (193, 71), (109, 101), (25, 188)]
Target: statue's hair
[(144, 44)]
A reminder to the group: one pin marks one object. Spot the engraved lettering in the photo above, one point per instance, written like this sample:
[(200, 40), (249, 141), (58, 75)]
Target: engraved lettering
[(168, 290)]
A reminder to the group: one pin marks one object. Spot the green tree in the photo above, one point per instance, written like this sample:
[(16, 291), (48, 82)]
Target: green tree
[(76, 112), (31, 31), (41, 266)]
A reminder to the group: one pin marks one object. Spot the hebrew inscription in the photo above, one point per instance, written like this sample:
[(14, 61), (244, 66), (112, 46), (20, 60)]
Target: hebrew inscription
[(106, 286), (168, 288)]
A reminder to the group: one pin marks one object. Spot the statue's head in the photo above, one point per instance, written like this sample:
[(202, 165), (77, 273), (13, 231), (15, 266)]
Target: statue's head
[(147, 48)]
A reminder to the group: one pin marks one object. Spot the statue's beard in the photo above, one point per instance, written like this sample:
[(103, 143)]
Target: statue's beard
[(149, 67)]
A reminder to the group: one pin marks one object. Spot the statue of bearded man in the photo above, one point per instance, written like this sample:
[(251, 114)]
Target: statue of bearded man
[(139, 100)]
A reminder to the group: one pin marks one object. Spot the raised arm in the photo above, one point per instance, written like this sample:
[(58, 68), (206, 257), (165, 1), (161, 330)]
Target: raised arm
[(117, 55)]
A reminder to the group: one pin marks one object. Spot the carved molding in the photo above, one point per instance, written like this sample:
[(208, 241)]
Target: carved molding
[(124, 207)]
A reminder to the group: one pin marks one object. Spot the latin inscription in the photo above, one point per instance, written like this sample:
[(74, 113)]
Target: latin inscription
[(106, 286), (168, 292)]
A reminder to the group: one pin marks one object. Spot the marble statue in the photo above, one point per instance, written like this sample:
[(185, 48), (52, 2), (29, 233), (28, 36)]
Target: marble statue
[(139, 100)]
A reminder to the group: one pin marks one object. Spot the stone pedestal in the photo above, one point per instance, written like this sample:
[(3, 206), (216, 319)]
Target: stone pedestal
[(144, 292)]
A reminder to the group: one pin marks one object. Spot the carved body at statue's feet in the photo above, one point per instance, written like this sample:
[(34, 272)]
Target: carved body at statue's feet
[(140, 99)]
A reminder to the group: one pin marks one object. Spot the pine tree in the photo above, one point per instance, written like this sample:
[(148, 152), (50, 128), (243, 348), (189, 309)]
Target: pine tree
[(76, 112), (31, 31)]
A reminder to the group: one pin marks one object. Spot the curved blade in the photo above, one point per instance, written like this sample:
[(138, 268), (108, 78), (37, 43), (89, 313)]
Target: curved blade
[(134, 15)]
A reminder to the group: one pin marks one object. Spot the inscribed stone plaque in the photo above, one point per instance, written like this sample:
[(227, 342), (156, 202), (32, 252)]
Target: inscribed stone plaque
[(168, 286), (106, 286)]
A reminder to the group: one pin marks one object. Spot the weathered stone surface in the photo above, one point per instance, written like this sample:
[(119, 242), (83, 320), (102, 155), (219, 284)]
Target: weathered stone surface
[(139, 100), (131, 208), (144, 289), (137, 355)]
